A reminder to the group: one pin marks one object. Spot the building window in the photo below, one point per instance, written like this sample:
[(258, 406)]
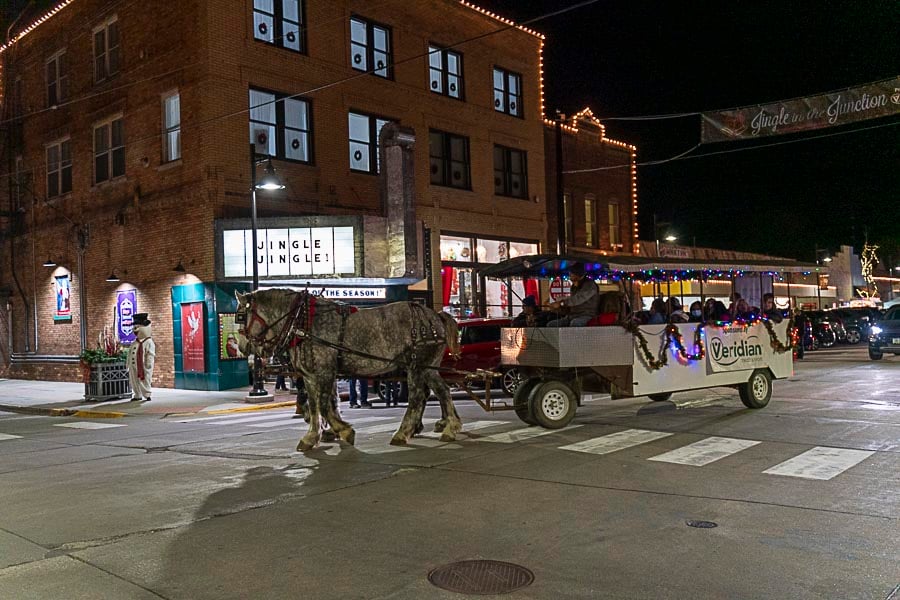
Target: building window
[(510, 172), (280, 23), (590, 220), (363, 135), (57, 79), (567, 218), (106, 50), (59, 168), (370, 47), (280, 126), (171, 119), (109, 150), (445, 72), (614, 239), (507, 92), (449, 159)]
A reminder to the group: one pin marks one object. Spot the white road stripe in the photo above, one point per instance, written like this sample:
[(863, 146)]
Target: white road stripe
[(821, 463), (299, 421), (9, 436), (705, 451), (467, 427), (384, 427), (89, 425), (616, 441), (272, 415), (518, 435)]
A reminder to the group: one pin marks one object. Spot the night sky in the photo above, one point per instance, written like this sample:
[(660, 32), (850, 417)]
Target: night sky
[(637, 58)]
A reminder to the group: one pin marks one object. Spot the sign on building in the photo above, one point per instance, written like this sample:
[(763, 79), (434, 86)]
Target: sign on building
[(289, 252)]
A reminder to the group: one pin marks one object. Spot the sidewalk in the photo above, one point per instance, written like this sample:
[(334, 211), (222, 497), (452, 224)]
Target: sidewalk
[(64, 398)]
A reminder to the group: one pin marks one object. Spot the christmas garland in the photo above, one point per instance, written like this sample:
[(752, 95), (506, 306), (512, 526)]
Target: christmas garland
[(698, 343), (653, 363)]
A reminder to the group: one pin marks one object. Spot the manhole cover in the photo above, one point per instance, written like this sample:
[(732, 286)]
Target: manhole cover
[(482, 577), (702, 524)]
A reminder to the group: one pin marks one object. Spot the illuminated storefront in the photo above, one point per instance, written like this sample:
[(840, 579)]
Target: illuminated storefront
[(464, 292)]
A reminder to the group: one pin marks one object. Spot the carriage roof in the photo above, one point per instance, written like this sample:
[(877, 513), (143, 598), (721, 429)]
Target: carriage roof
[(634, 267)]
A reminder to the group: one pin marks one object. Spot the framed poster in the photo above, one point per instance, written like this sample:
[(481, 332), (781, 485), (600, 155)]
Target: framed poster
[(230, 338), (193, 334), (126, 306), (63, 310)]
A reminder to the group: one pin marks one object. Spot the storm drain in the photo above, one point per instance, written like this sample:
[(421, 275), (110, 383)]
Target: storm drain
[(483, 577), (702, 524)]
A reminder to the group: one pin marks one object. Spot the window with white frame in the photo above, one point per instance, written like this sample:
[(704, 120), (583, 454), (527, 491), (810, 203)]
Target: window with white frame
[(449, 158), (363, 135), (280, 126), (106, 50), (507, 92), (590, 220), (614, 238), (445, 72), (510, 172), (171, 126), (59, 168), (370, 47), (57, 79), (109, 150), (280, 23)]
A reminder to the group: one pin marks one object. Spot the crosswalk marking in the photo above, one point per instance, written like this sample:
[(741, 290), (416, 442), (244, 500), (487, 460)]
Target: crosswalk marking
[(705, 451), (89, 425), (9, 436), (298, 421), (234, 418), (616, 441), (467, 427), (518, 435), (385, 427), (821, 463)]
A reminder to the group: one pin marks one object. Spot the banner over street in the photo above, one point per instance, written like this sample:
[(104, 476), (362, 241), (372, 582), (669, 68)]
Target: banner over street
[(870, 101)]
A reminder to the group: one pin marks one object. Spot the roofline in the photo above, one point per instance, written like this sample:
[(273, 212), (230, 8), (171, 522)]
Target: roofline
[(39, 21), (503, 20)]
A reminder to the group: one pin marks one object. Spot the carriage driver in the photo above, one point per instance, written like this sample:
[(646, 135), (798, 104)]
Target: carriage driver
[(582, 305)]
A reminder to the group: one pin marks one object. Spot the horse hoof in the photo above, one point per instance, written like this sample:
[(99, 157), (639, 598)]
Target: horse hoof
[(304, 446), (439, 426), (419, 429), (448, 437), (350, 438), (398, 441), (328, 436)]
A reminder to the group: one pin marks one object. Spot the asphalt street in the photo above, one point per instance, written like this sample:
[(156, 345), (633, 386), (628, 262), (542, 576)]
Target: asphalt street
[(805, 496)]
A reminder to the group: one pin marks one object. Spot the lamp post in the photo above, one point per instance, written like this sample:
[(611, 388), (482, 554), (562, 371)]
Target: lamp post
[(825, 259), (669, 236), (269, 181)]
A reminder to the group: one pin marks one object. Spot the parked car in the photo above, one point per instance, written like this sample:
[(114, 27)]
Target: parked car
[(824, 329), (885, 334), (480, 349), (857, 321)]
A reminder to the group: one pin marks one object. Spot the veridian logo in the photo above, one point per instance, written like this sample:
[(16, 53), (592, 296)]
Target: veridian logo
[(728, 354)]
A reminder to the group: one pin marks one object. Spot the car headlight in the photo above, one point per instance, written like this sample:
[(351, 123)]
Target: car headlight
[(876, 330)]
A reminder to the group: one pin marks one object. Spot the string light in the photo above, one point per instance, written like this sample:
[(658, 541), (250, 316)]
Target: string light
[(30, 28)]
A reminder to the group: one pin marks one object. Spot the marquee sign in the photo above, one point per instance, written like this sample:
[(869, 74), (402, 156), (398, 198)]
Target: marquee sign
[(289, 252)]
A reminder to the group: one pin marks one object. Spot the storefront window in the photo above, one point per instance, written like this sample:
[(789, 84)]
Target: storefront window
[(459, 291), (456, 248), (491, 251), (520, 249)]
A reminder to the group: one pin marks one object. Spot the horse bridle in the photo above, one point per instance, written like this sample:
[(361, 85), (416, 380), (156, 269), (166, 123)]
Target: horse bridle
[(261, 339)]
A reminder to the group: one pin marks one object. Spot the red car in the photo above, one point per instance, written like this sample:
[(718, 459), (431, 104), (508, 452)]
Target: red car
[(480, 349)]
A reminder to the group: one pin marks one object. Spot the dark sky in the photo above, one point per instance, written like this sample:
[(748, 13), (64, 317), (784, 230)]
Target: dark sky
[(632, 58)]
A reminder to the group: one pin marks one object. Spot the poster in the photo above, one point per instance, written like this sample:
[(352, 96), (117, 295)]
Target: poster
[(230, 338), (193, 332), (63, 310), (126, 306)]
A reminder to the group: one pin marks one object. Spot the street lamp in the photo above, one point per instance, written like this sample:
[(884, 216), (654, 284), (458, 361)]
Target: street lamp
[(269, 181), (825, 259)]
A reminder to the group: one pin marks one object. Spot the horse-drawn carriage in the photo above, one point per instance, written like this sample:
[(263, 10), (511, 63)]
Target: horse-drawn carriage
[(324, 339)]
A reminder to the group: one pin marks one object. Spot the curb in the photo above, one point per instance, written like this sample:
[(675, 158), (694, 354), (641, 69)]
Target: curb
[(62, 412), (225, 411)]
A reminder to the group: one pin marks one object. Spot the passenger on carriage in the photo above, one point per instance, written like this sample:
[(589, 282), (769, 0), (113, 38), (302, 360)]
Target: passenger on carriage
[(696, 312), (715, 310), (582, 305), (770, 310), (675, 311), (531, 315), (658, 312)]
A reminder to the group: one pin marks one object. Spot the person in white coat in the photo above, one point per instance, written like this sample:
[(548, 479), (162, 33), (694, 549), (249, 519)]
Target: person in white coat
[(140, 359)]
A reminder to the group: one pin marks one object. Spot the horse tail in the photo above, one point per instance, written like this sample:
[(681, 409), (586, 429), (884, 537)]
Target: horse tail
[(451, 331)]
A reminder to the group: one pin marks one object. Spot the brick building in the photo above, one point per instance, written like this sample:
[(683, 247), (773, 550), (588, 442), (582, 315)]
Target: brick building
[(127, 167)]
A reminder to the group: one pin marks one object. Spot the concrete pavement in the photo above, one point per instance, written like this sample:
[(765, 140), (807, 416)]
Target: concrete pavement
[(64, 398)]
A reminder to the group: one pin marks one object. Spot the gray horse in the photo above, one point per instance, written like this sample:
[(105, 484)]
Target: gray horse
[(325, 339)]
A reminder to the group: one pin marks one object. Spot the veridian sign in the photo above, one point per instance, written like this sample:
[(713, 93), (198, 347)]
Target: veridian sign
[(289, 252), (735, 347)]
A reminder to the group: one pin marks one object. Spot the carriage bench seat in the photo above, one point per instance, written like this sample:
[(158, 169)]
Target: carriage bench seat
[(604, 319)]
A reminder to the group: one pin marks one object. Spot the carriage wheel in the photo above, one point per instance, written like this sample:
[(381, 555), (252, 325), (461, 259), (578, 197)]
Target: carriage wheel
[(757, 391), (553, 404), (521, 400)]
